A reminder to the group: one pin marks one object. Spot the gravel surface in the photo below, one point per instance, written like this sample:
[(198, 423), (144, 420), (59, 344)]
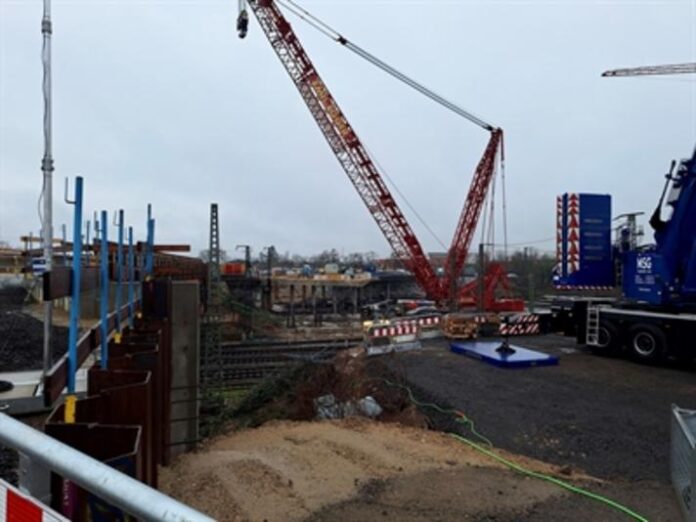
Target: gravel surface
[(607, 417), (21, 335), (21, 348)]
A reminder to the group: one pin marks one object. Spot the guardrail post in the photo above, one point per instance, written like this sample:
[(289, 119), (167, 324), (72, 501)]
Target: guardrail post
[(131, 277), (76, 274), (149, 263), (104, 279), (119, 270)]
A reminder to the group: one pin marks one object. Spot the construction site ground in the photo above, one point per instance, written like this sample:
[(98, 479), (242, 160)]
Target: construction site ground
[(599, 423)]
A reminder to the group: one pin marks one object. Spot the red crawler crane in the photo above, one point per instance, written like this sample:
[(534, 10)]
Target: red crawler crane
[(363, 173)]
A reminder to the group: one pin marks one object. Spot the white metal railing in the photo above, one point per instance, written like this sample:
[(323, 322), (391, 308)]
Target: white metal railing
[(127, 493), (683, 460)]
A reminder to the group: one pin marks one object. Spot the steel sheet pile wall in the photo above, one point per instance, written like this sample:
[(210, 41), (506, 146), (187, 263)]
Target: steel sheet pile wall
[(583, 242), (124, 420)]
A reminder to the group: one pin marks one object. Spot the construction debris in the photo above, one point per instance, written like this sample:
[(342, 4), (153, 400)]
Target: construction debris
[(329, 408)]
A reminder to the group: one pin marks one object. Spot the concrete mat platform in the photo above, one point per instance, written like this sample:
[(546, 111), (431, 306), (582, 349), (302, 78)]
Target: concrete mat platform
[(487, 351)]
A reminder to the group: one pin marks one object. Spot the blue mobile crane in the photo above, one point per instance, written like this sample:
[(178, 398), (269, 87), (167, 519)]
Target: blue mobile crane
[(664, 274), (655, 316)]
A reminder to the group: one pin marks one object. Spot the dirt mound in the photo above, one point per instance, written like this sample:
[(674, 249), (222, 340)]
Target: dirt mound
[(349, 377), (299, 469)]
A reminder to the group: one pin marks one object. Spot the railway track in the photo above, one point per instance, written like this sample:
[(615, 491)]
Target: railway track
[(245, 364)]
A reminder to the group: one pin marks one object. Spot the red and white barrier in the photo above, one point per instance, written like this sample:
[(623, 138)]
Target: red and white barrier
[(15, 506), (430, 325), (584, 288), (526, 324), (386, 338), (395, 330)]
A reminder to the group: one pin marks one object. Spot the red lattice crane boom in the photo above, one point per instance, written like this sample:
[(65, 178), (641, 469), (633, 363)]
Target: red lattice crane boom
[(468, 219), (345, 144), (361, 169)]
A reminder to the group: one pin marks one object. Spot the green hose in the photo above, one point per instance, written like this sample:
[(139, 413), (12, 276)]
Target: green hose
[(460, 417), (463, 419), (548, 478)]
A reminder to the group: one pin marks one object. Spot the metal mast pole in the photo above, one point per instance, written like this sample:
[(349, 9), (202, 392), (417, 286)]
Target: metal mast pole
[(47, 168)]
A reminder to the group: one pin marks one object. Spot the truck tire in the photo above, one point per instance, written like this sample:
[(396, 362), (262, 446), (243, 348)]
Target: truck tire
[(647, 343), (609, 342)]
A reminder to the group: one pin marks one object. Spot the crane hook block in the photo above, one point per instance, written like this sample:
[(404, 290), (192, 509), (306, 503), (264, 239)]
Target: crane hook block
[(242, 23)]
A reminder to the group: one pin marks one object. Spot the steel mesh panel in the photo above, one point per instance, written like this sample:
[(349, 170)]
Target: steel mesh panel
[(683, 460)]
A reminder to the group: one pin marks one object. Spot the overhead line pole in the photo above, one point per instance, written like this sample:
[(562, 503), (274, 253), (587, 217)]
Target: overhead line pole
[(47, 168)]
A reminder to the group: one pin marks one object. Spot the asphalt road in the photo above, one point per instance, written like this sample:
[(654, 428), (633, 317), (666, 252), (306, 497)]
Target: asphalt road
[(607, 417)]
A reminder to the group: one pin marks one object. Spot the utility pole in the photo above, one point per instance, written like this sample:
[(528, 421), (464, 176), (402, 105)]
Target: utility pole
[(47, 169), (247, 259)]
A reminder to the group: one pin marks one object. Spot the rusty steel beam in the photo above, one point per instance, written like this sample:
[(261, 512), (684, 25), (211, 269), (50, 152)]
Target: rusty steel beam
[(58, 281), (164, 248)]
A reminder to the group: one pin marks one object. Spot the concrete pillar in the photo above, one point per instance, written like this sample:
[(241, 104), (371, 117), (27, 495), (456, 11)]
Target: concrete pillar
[(185, 366)]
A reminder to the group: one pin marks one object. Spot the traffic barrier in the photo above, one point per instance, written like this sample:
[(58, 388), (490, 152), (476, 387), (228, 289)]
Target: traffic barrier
[(395, 330), (15, 506), (526, 324), (430, 325), (583, 288), (385, 337)]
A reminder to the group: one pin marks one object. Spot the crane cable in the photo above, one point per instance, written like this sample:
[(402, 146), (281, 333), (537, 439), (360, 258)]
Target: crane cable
[(328, 31), (401, 194), (334, 35), (504, 194)]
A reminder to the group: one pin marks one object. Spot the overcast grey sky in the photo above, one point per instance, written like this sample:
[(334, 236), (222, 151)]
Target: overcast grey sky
[(158, 101)]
